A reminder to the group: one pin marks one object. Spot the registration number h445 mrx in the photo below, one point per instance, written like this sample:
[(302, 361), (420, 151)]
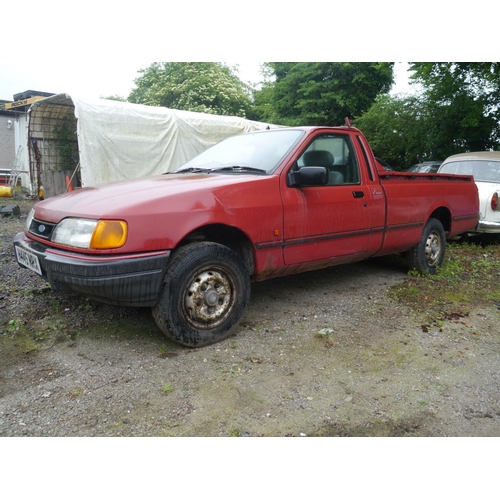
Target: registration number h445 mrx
[(28, 260)]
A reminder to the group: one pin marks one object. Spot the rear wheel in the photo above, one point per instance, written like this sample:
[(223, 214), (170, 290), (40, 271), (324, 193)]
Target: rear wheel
[(206, 290), (428, 254)]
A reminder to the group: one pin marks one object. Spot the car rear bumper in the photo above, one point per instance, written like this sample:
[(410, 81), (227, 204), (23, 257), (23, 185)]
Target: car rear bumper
[(485, 226), (128, 281)]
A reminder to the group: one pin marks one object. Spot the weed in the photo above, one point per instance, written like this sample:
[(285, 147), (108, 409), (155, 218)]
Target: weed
[(14, 325), (72, 335), (468, 277), (55, 324), (167, 388), (54, 304), (75, 393)]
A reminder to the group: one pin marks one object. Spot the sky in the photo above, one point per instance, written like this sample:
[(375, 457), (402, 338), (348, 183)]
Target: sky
[(96, 48), (83, 78), (100, 79)]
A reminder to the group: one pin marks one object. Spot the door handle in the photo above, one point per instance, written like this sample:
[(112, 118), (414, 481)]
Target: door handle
[(358, 194)]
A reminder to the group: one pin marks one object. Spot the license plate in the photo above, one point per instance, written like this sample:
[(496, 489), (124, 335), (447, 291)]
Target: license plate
[(29, 260)]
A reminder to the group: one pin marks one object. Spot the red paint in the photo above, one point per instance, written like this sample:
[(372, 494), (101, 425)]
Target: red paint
[(290, 229)]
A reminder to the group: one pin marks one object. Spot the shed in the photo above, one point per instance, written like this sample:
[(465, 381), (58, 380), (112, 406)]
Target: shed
[(92, 142)]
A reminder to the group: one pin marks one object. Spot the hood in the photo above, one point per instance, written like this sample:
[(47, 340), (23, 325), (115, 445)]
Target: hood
[(147, 195)]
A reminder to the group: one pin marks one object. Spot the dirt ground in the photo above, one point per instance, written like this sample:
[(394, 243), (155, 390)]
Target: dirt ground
[(325, 353)]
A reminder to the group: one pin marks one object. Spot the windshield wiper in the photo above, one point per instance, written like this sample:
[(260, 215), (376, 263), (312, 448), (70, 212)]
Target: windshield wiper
[(240, 168), (232, 168), (191, 170)]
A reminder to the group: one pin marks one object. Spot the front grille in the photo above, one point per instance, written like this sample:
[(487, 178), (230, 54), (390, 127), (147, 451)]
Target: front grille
[(42, 229)]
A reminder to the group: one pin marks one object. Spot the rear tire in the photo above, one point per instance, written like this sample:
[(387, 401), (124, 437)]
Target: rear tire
[(428, 254), (205, 293)]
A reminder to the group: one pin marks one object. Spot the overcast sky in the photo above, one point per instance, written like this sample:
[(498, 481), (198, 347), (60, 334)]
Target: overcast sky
[(100, 79), (96, 48), (81, 78)]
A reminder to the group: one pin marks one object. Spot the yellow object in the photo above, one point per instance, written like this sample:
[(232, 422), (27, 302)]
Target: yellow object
[(109, 234), (6, 192)]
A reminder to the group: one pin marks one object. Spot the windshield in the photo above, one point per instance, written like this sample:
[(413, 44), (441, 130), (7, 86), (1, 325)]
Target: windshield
[(487, 171), (256, 151)]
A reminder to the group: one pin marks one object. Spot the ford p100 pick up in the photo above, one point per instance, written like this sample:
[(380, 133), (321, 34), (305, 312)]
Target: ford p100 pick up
[(256, 206)]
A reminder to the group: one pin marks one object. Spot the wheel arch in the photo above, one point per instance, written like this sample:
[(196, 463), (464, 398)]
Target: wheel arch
[(229, 236), (443, 215)]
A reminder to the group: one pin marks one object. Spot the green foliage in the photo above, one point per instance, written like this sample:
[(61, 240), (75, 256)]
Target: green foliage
[(114, 97), (466, 102), (397, 129), (468, 278), (14, 325), (16, 339), (66, 143), (457, 111), (204, 87), (320, 93)]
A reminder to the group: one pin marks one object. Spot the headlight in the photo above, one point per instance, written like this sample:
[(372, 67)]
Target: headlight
[(29, 219), (90, 233)]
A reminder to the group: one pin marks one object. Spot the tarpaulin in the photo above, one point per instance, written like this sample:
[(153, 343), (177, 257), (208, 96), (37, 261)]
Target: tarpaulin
[(119, 140)]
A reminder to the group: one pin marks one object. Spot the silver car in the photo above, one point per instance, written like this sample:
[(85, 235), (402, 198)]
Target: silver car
[(485, 167)]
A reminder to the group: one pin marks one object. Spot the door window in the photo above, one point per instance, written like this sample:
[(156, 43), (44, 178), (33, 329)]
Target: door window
[(336, 154)]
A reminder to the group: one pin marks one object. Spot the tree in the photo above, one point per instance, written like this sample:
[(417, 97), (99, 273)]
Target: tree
[(205, 87), (320, 93), (397, 129), (114, 97), (457, 111), (466, 99)]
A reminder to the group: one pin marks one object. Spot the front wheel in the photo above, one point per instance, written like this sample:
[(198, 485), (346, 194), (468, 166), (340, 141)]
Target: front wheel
[(428, 254), (206, 290)]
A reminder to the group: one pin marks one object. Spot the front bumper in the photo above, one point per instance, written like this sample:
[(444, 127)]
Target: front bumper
[(134, 281)]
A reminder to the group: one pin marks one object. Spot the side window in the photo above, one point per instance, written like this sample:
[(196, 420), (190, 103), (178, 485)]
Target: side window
[(335, 152)]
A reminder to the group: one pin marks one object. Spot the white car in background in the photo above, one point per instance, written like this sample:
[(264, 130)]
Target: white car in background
[(485, 167)]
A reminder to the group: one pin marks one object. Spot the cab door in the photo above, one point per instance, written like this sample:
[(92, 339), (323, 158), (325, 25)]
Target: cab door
[(332, 221)]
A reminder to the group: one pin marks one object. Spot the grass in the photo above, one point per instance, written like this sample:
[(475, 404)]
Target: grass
[(469, 277), (16, 339)]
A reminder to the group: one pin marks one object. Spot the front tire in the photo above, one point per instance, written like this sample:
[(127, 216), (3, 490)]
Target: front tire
[(428, 254), (205, 293)]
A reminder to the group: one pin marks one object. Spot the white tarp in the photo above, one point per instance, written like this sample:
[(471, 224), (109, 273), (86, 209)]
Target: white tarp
[(118, 141)]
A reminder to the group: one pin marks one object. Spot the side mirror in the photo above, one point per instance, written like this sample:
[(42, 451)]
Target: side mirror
[(308, 176)]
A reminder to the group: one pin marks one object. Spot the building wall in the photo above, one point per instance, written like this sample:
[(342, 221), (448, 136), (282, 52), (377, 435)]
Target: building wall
[(7, 141), (14, 152)]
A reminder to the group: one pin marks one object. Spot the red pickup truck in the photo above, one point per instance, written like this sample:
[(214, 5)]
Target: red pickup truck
[(255, 206)]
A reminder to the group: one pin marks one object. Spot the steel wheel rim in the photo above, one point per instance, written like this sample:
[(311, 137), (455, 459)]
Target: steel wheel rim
[(209, 298), (433, 249)]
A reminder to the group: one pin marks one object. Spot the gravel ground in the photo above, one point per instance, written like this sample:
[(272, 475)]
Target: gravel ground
[(324, 353)]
